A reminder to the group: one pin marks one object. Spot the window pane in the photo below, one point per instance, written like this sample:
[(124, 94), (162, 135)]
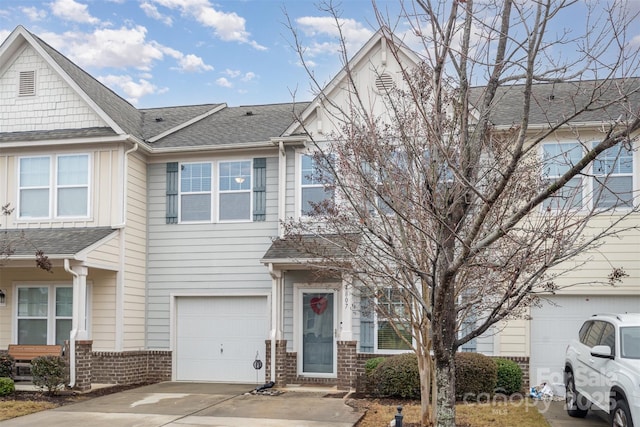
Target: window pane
[(32, 331), (614, 191), (312, 196), (195, 177), (33, 302), (389, 339), (72, 201), (235, 206), (34, 172), (34, 203), (195, 207), (63, 330), (568, 197), (64, 302), (559, 158), (73, 170), (235, 176)]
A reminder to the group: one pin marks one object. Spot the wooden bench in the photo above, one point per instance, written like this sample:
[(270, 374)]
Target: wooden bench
[(23, 354)]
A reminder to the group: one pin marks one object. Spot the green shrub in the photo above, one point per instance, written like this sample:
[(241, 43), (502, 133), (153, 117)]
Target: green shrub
[(476, 376), (49, 373), (6, 386), (509, 379), (6, 366), (397, 376), (372, 364)]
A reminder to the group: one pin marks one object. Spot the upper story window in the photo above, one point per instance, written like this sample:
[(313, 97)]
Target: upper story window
[(613, 178), (228, 198), (610, 183), (235, 191), (195, 192), (57, 184), (315, 185)]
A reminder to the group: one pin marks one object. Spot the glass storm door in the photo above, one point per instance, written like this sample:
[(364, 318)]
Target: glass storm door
[(318, 328)]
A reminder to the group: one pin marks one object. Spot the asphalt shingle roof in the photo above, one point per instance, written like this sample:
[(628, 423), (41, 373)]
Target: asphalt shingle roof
[(41, 135), (552, 102), (307, 247), (158, 120), (235, 125), (52, 241)]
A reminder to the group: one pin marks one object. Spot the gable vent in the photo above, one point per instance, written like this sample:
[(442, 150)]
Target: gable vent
[(27, 83), (384, 82)]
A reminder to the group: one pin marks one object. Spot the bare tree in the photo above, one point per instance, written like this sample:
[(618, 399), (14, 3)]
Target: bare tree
[(462, 200)]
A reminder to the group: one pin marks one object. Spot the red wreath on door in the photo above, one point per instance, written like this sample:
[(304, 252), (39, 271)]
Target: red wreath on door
[(318, 304)]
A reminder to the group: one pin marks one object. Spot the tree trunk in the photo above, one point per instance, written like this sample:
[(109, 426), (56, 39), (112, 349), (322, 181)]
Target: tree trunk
[(446, 398), (426, 397)]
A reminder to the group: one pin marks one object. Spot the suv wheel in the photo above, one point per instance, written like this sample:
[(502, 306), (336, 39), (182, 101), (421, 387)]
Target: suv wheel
[(576, 403), (620, 416)]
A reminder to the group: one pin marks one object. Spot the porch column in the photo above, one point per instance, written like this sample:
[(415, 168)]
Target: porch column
[(79, 320), (276, 315), (346, 315)]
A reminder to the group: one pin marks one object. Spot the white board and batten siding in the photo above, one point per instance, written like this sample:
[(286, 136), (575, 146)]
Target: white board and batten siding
[(557, 321), (219, 338)]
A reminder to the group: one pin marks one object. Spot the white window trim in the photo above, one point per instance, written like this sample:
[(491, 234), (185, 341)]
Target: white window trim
[(211, 192), (53, 187), (51, 307), (218, 192), (376, 320), (299, 187), (590, 175)]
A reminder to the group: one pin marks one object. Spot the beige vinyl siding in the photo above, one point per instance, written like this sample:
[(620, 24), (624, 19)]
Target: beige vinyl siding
[(105, 199), (211, 258), (135, 255), (514, 338), (103, 306), (106, 255), (54, 105)]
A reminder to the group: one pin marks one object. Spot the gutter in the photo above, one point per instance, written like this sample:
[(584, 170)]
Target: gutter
[(72, 334)]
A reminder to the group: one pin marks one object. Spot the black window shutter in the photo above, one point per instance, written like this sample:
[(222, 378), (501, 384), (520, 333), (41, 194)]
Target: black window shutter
[(259, 189), (172, 193)]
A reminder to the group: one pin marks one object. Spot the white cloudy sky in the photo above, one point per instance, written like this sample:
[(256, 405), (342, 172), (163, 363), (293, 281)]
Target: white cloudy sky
[(178, 52)]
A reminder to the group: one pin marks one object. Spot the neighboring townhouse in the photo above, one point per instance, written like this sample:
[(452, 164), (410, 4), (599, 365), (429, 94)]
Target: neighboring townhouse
[(162, 226)]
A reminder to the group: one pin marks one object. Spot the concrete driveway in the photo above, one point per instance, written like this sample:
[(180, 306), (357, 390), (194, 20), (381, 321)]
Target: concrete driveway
[(556, 415), (176, 404)]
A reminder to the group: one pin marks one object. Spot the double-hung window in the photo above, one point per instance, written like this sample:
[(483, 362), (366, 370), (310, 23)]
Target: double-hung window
[(57, 184), (235, 191), (558, 158), (613, 178), (195, 192), (44, 314), (316, 185), (384, 327)]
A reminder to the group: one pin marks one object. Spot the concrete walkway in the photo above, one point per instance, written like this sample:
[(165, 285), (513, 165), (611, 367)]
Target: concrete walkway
[(556, 415), (177, 404)]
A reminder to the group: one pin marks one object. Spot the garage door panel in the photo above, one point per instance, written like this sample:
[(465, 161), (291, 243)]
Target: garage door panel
[(217, 338), (557, 321)]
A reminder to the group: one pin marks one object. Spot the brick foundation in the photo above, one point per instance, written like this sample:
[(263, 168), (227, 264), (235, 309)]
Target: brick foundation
[(131, 367), (83, 365)]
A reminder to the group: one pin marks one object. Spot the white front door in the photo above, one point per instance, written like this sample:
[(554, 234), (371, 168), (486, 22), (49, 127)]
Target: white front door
[(318, 332)]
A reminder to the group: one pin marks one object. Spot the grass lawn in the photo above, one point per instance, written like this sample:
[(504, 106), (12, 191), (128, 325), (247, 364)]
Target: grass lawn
[(500, 414), (17, 408)]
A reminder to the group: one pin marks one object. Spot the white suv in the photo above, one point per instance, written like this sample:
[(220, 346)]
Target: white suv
[(602, 369)]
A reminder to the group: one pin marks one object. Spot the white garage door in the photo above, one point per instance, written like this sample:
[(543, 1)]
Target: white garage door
[(218, 338), (555, 324)]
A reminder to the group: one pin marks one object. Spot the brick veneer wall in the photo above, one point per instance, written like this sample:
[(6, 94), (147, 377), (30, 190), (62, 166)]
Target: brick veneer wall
[(84, 364), (131, 367)]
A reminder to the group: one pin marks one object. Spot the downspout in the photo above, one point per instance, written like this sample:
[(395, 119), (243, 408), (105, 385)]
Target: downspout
[(282, 189), (121, 263), (73, 333)]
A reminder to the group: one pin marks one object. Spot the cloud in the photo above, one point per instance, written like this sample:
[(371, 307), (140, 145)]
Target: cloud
[(248, 76), (355, 34), (34, 14), (133, 90), (152, 12), (224, 82), (192, 63), (226, 26), (70, 10), (232, 73)]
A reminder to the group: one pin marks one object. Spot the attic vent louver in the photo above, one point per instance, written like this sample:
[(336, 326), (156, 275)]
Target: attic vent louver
[(27, 85), (384, 82)]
